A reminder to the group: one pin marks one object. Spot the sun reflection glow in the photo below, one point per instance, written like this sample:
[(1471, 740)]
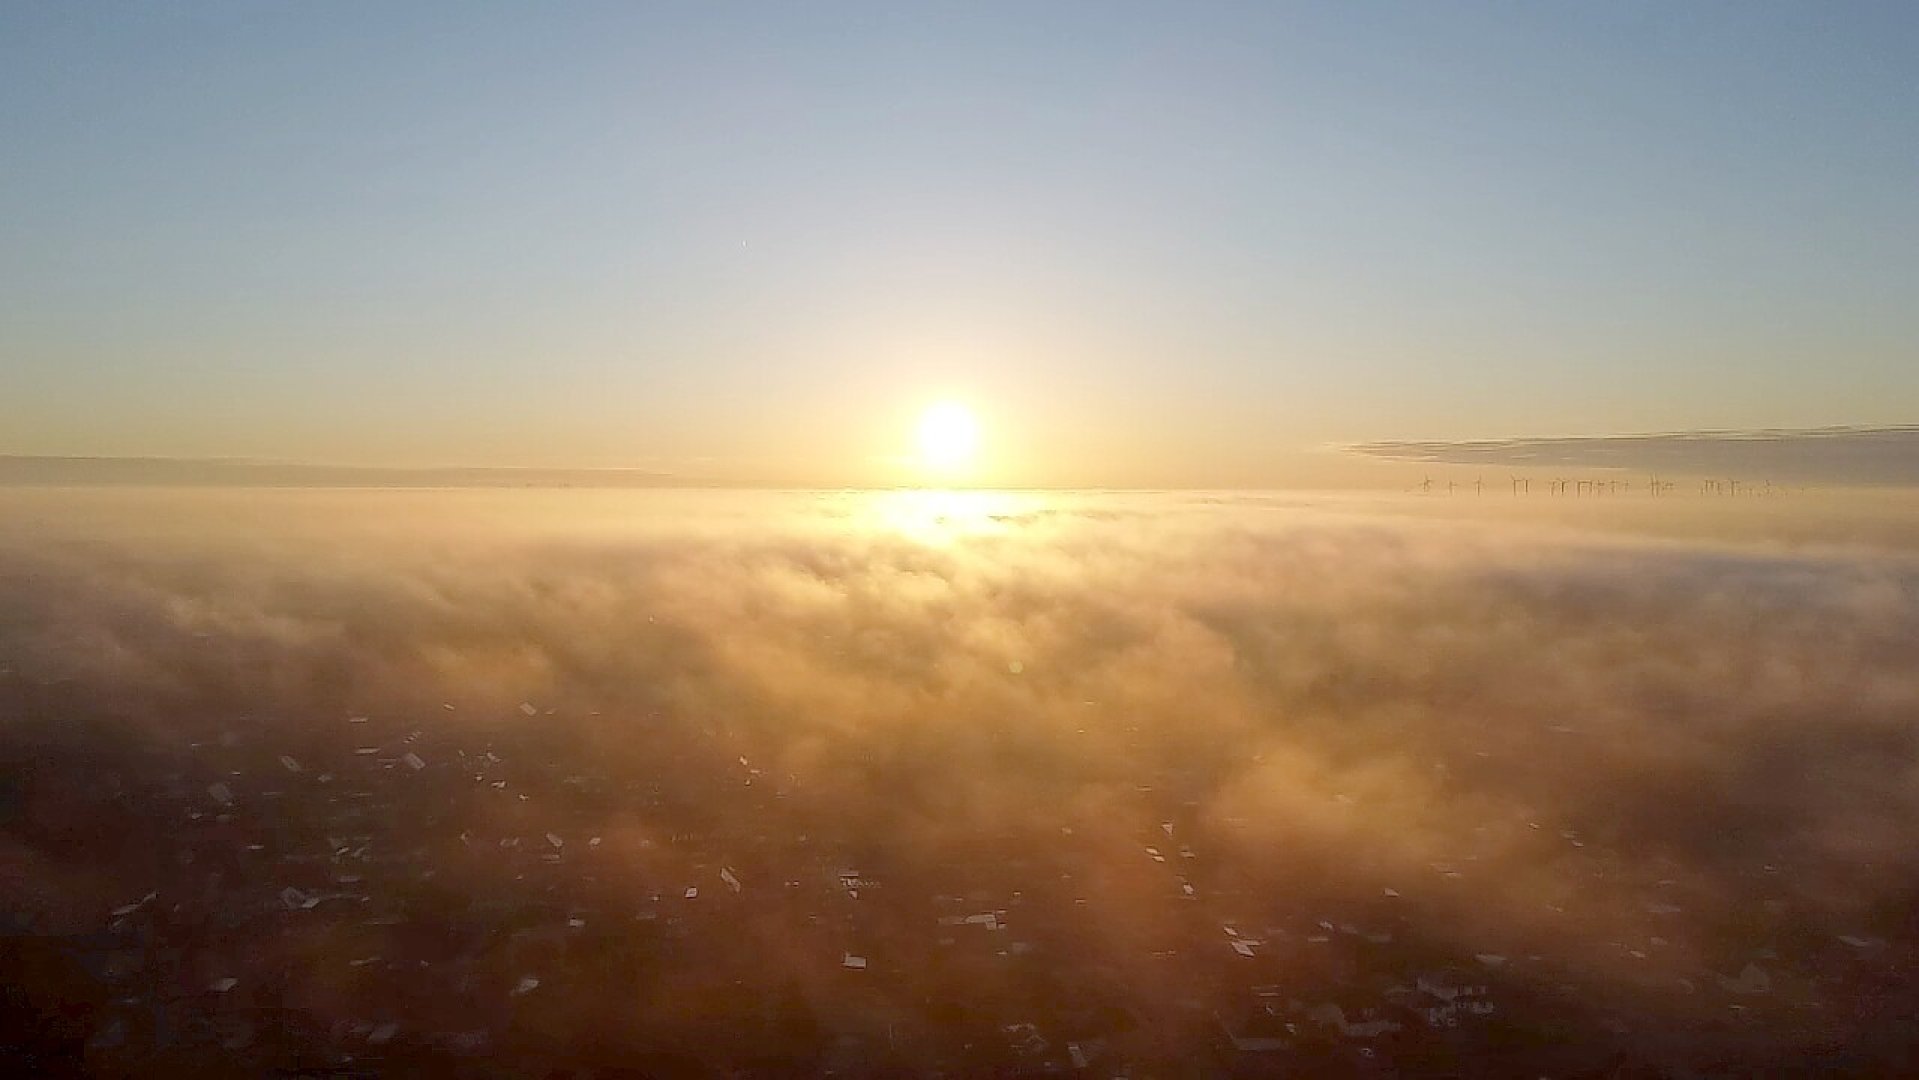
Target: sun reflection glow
[(941, 517)]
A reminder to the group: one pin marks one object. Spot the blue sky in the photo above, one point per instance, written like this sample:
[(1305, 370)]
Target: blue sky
[(1162, 243)]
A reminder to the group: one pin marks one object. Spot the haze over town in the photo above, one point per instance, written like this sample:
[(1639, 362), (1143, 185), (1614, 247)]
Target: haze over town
[(857, 540)]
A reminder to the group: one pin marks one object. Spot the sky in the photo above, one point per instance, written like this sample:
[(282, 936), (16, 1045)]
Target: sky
[(1150, 245)]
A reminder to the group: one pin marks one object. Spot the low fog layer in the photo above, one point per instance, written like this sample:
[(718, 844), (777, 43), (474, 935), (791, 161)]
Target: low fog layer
[(1613, 770)]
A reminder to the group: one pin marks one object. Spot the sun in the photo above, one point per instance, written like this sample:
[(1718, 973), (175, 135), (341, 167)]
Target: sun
[(948, 436)]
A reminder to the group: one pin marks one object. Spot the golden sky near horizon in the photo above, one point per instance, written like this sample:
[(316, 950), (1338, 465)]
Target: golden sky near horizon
[(754, 245)]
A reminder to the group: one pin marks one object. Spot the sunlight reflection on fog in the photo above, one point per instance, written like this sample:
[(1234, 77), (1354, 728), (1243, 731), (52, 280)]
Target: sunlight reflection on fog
[(939, 517)]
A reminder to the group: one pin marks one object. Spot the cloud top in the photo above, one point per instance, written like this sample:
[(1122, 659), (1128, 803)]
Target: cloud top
[(1559, 746)]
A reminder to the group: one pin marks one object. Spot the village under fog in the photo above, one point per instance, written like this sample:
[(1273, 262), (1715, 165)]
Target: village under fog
[(428, 783)]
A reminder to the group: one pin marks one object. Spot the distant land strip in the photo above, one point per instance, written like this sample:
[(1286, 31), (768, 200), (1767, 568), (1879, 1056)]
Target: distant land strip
[(1828, 455), (23, 470)]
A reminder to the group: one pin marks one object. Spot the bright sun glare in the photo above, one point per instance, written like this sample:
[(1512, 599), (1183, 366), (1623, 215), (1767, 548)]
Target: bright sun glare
[(948, 436)]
